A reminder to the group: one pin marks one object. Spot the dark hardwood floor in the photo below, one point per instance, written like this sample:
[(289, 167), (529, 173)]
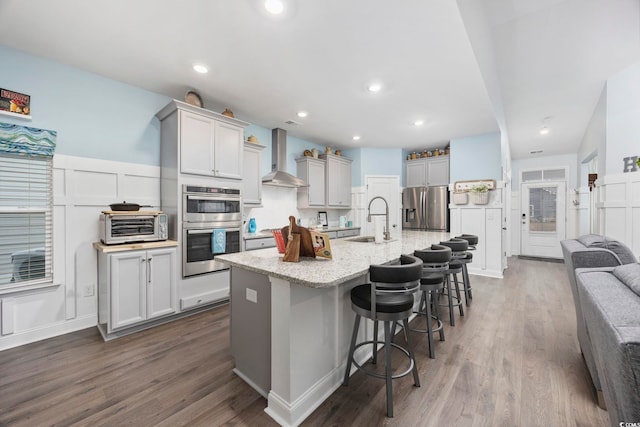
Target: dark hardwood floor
[(512, 360)]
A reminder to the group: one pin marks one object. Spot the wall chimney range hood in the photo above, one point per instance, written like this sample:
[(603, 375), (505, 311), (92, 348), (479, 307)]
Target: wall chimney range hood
[(278, 177)]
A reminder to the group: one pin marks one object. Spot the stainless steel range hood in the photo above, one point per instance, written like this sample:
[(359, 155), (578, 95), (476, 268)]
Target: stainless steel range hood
[(278, 177)]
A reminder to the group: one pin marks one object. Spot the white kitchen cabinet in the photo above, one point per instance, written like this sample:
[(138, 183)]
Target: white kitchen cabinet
[(416, 172), (251, 174), (201, 142), (427, 171), (135, 287), (338, 181), (313, 171), (259, 243), (351, 232), (438, 170)]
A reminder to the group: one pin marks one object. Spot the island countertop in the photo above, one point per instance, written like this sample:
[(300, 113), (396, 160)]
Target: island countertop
[(350, 259)]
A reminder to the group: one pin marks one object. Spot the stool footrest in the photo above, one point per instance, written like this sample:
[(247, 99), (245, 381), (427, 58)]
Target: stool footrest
[(377, 375)]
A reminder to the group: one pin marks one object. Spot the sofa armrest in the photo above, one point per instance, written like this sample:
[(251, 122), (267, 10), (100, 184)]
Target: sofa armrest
[(594, 258)]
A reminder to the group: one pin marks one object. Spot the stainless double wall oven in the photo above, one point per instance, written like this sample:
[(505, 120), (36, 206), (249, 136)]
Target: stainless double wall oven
[(209, 211)]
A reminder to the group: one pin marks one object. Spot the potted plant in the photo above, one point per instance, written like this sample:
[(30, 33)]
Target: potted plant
[(479, 194)]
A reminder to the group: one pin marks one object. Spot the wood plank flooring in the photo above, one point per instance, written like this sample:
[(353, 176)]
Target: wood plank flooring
[(512, 360)]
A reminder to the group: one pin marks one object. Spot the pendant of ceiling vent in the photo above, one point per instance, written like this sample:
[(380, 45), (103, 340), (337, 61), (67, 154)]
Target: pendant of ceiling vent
[(291, 122)]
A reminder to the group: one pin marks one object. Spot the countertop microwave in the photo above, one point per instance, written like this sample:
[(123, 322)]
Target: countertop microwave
[(117, 227)]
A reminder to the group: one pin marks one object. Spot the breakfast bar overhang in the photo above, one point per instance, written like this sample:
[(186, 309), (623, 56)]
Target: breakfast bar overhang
[(291, 322)]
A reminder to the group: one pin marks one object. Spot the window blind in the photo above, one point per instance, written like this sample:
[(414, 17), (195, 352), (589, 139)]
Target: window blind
[(25, 219), (26, 205)]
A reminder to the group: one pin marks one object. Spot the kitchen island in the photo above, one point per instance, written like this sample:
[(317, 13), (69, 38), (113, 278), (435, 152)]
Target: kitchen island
[(291, 322)]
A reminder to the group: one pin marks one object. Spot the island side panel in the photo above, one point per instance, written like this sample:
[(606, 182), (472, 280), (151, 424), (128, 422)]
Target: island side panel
[(251, 328), (311, 331)]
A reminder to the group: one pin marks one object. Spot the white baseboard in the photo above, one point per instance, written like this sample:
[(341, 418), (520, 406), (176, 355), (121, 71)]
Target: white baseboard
[(48, 331)]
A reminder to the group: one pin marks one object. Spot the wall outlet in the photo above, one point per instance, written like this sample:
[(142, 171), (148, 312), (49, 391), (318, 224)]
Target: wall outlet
[(87, 291), (252, 295)]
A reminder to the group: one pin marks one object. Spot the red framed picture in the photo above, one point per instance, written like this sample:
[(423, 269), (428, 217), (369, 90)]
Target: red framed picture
[(15, 102)]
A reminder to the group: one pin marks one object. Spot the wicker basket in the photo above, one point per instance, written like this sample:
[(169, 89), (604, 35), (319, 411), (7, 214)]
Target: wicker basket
[(459, 198), (480, 198)]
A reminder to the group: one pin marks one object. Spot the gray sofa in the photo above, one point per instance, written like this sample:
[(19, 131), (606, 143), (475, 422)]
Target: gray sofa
[(591, 251), (610, 301)]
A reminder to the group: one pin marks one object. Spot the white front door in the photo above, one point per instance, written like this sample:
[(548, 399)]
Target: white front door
[(543, 219), (389, 188)]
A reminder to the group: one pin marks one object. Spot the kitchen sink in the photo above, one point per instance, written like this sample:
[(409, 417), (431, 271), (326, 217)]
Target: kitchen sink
[(366, 239)]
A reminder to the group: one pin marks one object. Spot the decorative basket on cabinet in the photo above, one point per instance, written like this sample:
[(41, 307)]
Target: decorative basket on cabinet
[(480, 194), (459, 198)]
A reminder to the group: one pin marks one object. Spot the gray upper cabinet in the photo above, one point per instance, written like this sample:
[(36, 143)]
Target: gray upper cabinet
[(329, 179), (313, 172), (338, 181), (427, 171), (251, 174), (201, 142), (438, 170)]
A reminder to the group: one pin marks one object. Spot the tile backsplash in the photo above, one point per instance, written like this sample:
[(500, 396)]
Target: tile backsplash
[(278, 203)]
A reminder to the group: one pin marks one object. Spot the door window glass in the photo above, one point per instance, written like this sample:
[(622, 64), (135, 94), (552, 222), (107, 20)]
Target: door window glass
[(542, 209)]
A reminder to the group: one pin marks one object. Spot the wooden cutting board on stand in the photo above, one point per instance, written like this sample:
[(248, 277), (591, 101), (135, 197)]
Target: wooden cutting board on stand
[(292, 251), (306, 245)]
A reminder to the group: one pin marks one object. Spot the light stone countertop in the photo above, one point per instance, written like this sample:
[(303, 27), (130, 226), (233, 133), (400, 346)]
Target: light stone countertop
[(350, 259)]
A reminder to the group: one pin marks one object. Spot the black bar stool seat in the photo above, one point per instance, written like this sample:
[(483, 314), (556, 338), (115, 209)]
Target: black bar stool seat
[(456, 266), (435, 262), (388, 298), (473, 242)]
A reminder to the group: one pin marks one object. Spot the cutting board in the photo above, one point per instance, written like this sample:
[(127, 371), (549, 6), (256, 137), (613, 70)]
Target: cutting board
[(306, 245)]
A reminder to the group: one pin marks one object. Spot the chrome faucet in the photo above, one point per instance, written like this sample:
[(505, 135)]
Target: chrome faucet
[(386, 233)]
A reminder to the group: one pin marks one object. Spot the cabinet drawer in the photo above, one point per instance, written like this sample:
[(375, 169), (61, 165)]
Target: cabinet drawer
[(197, 300), (252, 244), (348, 233)]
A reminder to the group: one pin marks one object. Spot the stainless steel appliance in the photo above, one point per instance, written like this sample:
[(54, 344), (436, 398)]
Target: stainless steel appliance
[(118, 227), (208, 210), (425, 208), (210, 204)]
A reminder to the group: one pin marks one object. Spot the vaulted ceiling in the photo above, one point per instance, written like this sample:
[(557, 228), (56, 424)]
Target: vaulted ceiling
[(464, 68)]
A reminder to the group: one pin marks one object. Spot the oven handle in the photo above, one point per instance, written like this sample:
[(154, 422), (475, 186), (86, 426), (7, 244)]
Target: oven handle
[(220, 198), (208, 230)]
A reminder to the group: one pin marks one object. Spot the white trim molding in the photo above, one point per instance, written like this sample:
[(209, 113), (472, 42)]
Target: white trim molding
[(618, 208)]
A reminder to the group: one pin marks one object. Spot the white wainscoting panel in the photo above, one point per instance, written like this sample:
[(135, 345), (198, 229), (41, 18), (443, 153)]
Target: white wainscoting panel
[(618, 206), (82, 188)]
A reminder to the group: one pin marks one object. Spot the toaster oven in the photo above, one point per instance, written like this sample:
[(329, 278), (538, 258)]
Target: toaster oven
[(117, 227)]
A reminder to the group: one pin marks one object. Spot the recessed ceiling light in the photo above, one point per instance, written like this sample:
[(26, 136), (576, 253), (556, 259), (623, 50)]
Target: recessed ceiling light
[(275, 7), (202, 69), (544, 130), (302, 114), (418, 123), (356, 137), (374, 87)]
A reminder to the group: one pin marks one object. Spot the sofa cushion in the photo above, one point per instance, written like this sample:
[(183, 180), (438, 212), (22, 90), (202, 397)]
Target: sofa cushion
[(629, 274), (620, 249)]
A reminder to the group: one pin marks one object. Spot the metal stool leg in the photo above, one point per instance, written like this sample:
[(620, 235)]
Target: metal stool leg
[(467, 283), (452, 320), (433, 299), (416, 377), (455, 280), (432, 353), (352, 348), (374, 351), (387, 368)]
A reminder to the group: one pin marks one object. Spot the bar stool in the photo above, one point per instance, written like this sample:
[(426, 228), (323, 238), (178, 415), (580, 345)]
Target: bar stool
[(388, 298), (435, 263), (473, 241), (458, 251)]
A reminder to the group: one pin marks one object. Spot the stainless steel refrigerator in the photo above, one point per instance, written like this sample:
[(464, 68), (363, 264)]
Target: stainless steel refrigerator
[(425, 208)]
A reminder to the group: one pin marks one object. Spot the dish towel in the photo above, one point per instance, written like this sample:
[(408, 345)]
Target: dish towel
[(219, 241)]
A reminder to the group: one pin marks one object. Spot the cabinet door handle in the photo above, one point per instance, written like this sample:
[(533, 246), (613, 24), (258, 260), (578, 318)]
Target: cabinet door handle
[(149, 271)]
